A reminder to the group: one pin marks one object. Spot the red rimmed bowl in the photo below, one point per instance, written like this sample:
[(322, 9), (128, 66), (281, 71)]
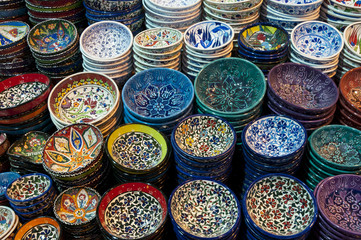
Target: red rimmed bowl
[(350, 89)]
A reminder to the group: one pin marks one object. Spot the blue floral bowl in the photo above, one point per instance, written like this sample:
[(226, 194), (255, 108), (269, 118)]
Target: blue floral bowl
[(6, 178), (295, 7), (158, 94)]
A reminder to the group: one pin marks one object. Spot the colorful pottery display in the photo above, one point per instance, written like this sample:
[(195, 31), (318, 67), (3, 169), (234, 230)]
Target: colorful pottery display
[(41, 227)]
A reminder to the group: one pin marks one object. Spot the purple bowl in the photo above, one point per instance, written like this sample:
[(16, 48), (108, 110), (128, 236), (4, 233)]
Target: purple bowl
[(331, 232), (339, 199), (302, 88)]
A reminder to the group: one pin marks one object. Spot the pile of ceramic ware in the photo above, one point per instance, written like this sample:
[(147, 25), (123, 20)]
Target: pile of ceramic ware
[(13, 10), (325, 54), (31, 196), (306, 94), (173, 14), (332, 150), (205, 42), (336, 193), (4, 146), (157, 47), (23, 105), (75, 209), (5, 179), (106, 48), (264, 44), (158, 97), (10, 223), (40, 227), (71, 10), (73, 156), (273, 202), (129, 13), (231, 88), (203, 147), (133, 210), (86, 98), (15, 58), (288, 14), (25, 154), (54, 44), (204, 209)]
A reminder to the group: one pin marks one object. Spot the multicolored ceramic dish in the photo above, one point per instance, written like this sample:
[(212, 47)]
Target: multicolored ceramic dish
[(7, 220), (12, 33), (40, 228)]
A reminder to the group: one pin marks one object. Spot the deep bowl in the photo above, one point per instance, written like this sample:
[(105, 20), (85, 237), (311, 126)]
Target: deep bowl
[(295, 7), (39, 227), (350, 89)]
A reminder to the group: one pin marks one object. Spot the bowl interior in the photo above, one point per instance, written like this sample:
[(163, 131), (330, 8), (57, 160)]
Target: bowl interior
[(37, 227), (352, 34), (158, 38), (350, 87), (12, 32)]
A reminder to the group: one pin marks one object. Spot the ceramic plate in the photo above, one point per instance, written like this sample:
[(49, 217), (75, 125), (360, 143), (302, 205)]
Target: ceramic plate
[(39, 228), (7, 220), (12, 32)]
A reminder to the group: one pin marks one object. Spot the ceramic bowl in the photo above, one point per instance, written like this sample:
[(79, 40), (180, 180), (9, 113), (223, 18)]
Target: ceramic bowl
[(232, 15), (12, 34), (349, 6), (6, 178), (174, 5), (232, 5), (38, 228), (181, 11), (237, 95), (295, 7), (112, 6), (350, 89), (8, 221), (208, 36)]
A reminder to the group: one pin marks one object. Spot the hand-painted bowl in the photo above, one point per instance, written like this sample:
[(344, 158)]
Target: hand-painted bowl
[(280, 206), (132, 211), (174, 5), (232, 5), (295, 7), (8, 221), (6, 178), (111, 6), (39, 228), (12, 33), (350, 89), (232, 16)]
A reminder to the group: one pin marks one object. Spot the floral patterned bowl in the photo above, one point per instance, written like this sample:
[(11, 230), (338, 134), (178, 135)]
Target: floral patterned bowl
[(280, 206), (132, 211), (40, 228), (174, 5), (8, 220), (12, 33), (295, 7), (6, 178), (350, 89), (232, 5), (351, 35)]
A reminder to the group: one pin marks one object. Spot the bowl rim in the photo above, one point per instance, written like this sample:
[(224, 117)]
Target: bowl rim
[(34, 222), (159, 29), (168, 8), (344, 5), (296, 5), (227, 3), (170, 12), (213, 9)]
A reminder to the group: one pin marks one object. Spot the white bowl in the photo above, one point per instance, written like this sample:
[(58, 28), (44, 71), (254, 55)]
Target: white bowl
[(155, 14), (240, 14), (232, 5), (169, 10), (355, 30), (295, 7), (218, 54)]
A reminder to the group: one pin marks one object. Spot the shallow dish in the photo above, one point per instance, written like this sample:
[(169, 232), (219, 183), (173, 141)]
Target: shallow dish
[(39, 228)]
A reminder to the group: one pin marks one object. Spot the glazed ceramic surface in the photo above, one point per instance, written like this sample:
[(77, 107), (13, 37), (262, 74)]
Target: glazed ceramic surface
[(352, 36), (204, 209), (350, 88), (204, 136), (158, 38), (7, 220), (174, 3), (275, 136), (52, 36), (295, 7), (5, 179), (12, 32), (39, 228), (280, 205)]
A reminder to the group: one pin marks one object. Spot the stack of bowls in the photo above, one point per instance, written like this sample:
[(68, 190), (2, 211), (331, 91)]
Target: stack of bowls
[(332, 150), (233, 89), (158, 97), (138, 152), (205, 42), (4, 145), (13, 10), (55, 46), (204, 209), (75, 209), (133, 210), (73, 156), (271, 205), (172, 14), (25, 154), (128, 12), (106, 48), (31, 196), (288, 14), (203, 148), (157, 47), (9, 223), (71, 10), (41, 227), (264, 44), (5, 179), (303, 93), (272, 144), (86, 98), (23, 104), (15, 58), (318, 45)]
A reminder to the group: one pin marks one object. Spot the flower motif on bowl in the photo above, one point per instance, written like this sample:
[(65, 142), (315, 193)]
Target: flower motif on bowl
[(7, 219), (72, 148), (42, 231), (158, 38), (204, 136), (353, 37), (175, 3), (11, 32), (204, 208), (349, 3), (280, 205)]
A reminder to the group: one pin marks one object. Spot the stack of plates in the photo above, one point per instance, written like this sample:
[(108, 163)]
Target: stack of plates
[(203, 148), (176, 14), (25, 154), (4, 145), (106, 48), (133, 210), (75, 209), (55, 46), (23, 104), (158, 47), (158, 97), (13, 10), (233, 89), (325, 54), (264, 44), (86, 98), (5, 179), (39, 228), (204, 209), (129, 12), (15, 58), (31, 196), (9, 223), (205, 42), (272, 144), (139, 153), (71, 10), (332, 150), (336, 193), (73, 156), (306, 94), (271, 205), (289, 13)]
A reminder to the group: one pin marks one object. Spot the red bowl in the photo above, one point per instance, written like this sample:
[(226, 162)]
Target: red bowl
[(350, 89)]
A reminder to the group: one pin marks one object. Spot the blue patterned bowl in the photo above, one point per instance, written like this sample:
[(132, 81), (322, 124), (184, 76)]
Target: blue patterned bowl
[(6, 178), (295, 7), (158, 94)]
